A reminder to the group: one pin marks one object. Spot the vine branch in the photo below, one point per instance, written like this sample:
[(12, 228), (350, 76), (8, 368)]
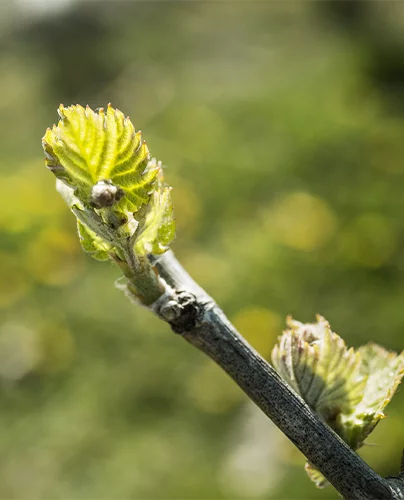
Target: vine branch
[(212, 333)]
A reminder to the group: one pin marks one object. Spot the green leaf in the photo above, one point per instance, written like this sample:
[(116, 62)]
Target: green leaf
[(157, 230), (348, 389), (317, 364), (93, 244), (384, 371), (87, 148), (315, 475)]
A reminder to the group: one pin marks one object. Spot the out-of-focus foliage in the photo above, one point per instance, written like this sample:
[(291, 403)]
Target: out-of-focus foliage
[(349, 389), (281, 127)]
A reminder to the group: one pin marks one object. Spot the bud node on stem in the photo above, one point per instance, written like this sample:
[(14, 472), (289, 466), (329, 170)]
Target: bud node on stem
[(105, 194)]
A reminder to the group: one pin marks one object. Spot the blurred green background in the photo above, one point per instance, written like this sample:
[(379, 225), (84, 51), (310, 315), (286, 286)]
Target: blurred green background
[(281, 125)]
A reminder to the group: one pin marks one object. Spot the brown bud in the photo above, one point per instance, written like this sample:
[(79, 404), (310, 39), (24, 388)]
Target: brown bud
[(105, 194)]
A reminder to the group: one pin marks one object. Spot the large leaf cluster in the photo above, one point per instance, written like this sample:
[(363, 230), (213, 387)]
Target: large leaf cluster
[(103, 159)]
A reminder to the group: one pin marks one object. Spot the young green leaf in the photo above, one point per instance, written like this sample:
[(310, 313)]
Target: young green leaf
[(87, 148), (317, 364), (93, 244), (158, 228), (348, 389), (384, 371)]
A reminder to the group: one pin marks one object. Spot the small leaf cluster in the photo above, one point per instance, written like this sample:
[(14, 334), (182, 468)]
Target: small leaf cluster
[(349, 389), (117, 191)]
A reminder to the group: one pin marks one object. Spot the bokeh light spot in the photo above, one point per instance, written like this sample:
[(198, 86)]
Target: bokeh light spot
[(14, 283), (301, 221), (19, 350), (28, 203), (210, 271), (57, 348), (54, 257), (260, 327), (212, 390)]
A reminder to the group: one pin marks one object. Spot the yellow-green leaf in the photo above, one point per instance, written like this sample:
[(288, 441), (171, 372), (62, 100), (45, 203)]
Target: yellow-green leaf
[(158, 227), (315, 475), (384, 371), (93, 244), (87, 148)]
